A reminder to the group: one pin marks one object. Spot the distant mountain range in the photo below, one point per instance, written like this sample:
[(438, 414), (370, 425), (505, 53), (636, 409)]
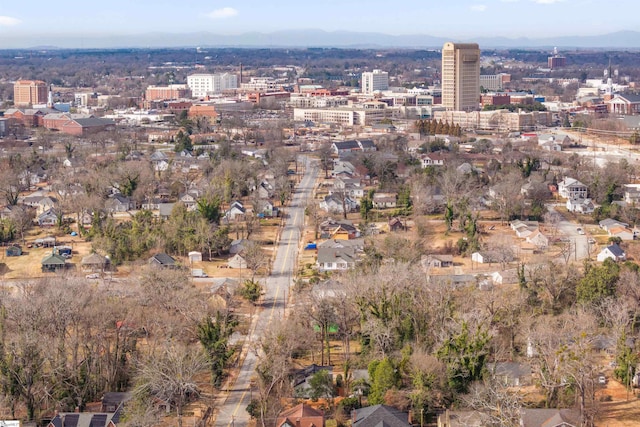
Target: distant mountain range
[(309, 38)]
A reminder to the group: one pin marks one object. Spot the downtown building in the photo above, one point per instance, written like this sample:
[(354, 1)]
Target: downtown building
[(203, 85), (376, 80), (460, 76), (159, 93), (30, 92)]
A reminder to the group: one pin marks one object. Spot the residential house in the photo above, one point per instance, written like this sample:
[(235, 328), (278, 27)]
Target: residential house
[(463, 419), (300, 379), (45, 242), (367, 145), (165, 209), (334, 204), (238, 245), (301, 415), (189, 201), (571, 188), (583, 206), (436, 261), (343, 147), (119, 203), (112, 400), (538, 239), (524, 229), (484, 257), (539, 417), (356, 244), (632, 194), (506, 277), (332, 229), (53, 262), (379, 415), (431, 159), (613, 252), (237, 261), (235, 212), (86, 419), (343, 168), (265, 190), (384, 200), (609, 223), (623, 233), (511, 374), (163, 260), (47, 219), (267, 209), (95, 262), (332, 259)]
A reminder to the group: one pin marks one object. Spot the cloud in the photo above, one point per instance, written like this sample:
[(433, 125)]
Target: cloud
[(8, 21), (547, 1), (225, 12), (509, 1), (479, 7)]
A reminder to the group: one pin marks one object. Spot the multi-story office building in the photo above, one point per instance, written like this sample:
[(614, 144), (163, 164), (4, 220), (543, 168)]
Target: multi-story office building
[(158, 93), (29, 92), (373, 81), (202, 85), (460, 76)]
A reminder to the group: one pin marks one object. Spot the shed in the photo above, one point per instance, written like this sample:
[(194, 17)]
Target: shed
[(13, 251), (195, 256)]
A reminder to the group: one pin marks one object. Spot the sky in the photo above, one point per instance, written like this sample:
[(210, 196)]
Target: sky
[(476, 18)]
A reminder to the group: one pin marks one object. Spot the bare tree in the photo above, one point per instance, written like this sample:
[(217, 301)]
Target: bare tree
[(171, 376)]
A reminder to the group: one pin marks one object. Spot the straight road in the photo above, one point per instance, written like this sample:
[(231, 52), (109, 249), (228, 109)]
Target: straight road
[(277, 289)]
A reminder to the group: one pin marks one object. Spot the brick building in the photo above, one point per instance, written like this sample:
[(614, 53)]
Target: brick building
[(29, 92)]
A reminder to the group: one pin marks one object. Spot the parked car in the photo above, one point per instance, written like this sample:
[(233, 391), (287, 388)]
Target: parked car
[(93, 276), (602, 380), (580, 230)]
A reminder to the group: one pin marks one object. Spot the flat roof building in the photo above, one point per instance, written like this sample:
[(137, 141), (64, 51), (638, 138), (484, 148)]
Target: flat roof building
[(374, 81)]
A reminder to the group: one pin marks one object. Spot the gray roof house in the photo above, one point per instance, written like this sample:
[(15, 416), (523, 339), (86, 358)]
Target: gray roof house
[(380, 416), (163, 260)]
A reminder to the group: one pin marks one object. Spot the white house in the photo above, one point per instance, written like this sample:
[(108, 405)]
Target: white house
[(583, 206), (538, 239), (613, 252), (332, 203), (432, 159), (570, 188)]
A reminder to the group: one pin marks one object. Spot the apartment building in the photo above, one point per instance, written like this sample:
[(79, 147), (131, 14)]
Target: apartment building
[(261, 84), (460, 76), (203, 85), (373, 81), (30, 92), (365, 114)]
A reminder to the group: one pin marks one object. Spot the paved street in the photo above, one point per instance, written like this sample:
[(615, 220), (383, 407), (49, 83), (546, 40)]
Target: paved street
[(277, 290)]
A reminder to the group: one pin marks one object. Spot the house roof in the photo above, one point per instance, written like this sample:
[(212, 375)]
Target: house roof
[(328, 255), (380, 415), (347, 145), (301, 415), (615, 250), (631, 97), (163, 259), (94, 259), (548, 417), (606, 223), (53, 259)]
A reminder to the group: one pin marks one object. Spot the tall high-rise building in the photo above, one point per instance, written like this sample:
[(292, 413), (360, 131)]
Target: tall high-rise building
[(460, 76), (30, 92), (373, 81), (202, 85)]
